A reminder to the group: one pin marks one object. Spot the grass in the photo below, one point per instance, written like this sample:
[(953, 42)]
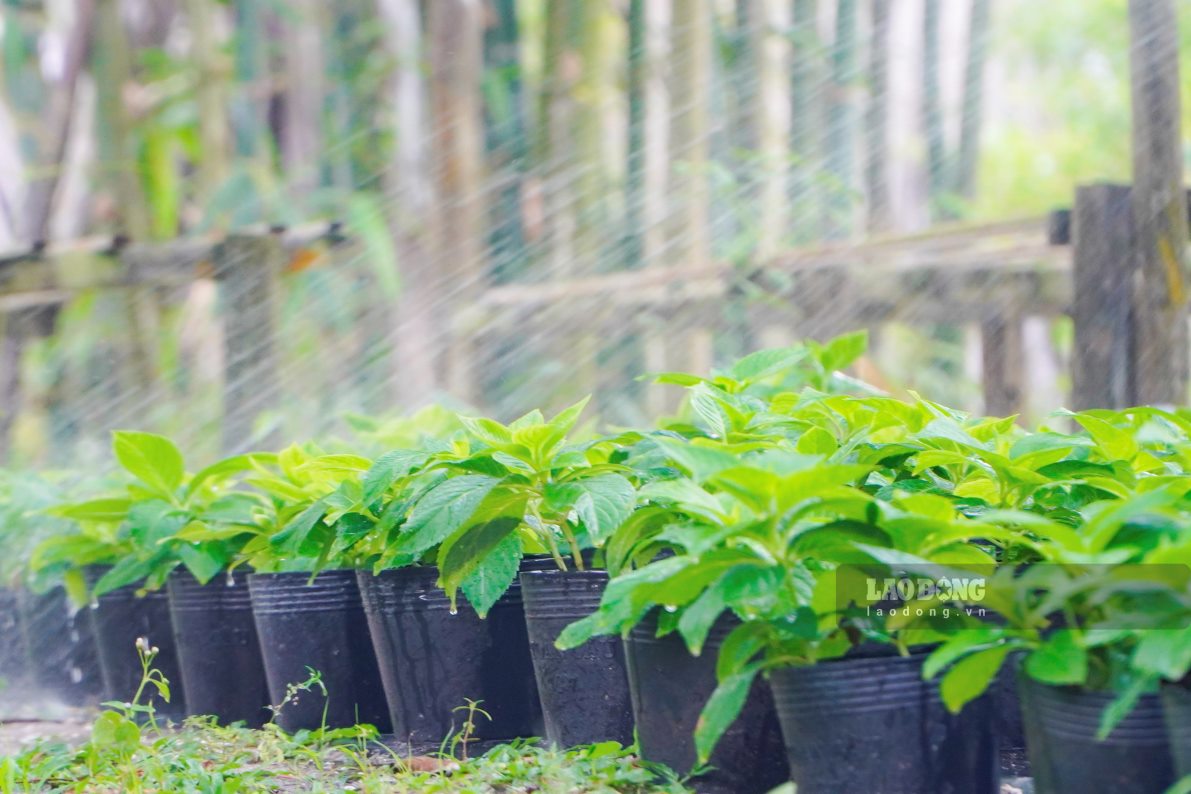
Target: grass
[(129, 751), (205, 758)]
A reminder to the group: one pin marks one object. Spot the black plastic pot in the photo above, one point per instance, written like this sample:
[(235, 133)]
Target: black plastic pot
[(318, 626), (218, 650), (433, 661), (585, 691), (14, 667), (120, 618), (670, 687), (1011, 731), (1176, 706), (873, 724), (60, 642), (1066, 757)]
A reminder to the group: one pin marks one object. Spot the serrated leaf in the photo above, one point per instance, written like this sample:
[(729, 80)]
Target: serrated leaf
[(443, 510), (293, 535), (387, 469), (470, 550), (494, 575), (701, 462), (602, 502)]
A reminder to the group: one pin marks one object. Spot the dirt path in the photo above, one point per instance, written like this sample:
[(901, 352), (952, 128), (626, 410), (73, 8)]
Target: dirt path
[(19, 735)]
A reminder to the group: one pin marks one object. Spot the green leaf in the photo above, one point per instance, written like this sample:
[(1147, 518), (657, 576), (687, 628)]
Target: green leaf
[(129, 570), (228, 466), (443, 510), (492, 578), (564, 421), (1059, 660), (293, 535), (961, 644), (722, 710), (104, 511), (490, 432), (471, 549), (204, 562), (152, 459), (153, 522), (764, 363), (971, 676), (700, 461), (677, 378), (115, 731), (387, 469), (602, 502), (817, 441), (843, 350), (1122, 704), (742, 645), (1116, 443), (700, 615), (1164, 652)]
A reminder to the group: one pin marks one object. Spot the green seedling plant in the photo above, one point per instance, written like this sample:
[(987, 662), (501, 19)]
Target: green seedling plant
[(496, 493), (24, 525), (162, 517), (762, 539), (745, 403), (1105, 608)]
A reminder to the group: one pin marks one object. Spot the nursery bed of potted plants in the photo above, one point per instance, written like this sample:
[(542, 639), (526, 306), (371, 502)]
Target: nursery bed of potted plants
[(739, 587)]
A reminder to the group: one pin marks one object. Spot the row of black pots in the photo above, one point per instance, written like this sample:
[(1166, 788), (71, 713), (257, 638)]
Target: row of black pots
[(865, 724), (359, 630)]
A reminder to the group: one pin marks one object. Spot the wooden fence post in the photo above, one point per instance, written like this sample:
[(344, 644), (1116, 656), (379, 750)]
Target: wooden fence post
[(1103, 266), (1002, 364), (1159, 206), (246, 270)]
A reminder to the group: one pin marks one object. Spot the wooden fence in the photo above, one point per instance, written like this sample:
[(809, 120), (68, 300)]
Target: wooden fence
[(988, 278)]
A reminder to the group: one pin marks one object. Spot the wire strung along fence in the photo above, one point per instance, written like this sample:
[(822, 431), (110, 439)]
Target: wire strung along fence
[(586, 334)]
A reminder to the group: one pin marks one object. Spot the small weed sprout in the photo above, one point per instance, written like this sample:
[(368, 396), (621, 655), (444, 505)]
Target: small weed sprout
[(459, 740)]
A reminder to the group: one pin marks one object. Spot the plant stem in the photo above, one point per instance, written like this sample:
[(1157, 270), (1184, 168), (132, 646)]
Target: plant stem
[(575, 552)]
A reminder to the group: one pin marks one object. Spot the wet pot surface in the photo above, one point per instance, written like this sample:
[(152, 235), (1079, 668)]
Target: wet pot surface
[(873, 724), (318, 626), (1067, 758), (60, 643), (1176, 708), (669, 688), (433, 661), (584, 691), (218, 650), (121, 617)]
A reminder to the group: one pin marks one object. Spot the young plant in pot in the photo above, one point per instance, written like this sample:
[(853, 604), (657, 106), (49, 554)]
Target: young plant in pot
[(319, 661), (497, 501), (1099, 623), (754, 546), (165, 526), (118, 558)]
